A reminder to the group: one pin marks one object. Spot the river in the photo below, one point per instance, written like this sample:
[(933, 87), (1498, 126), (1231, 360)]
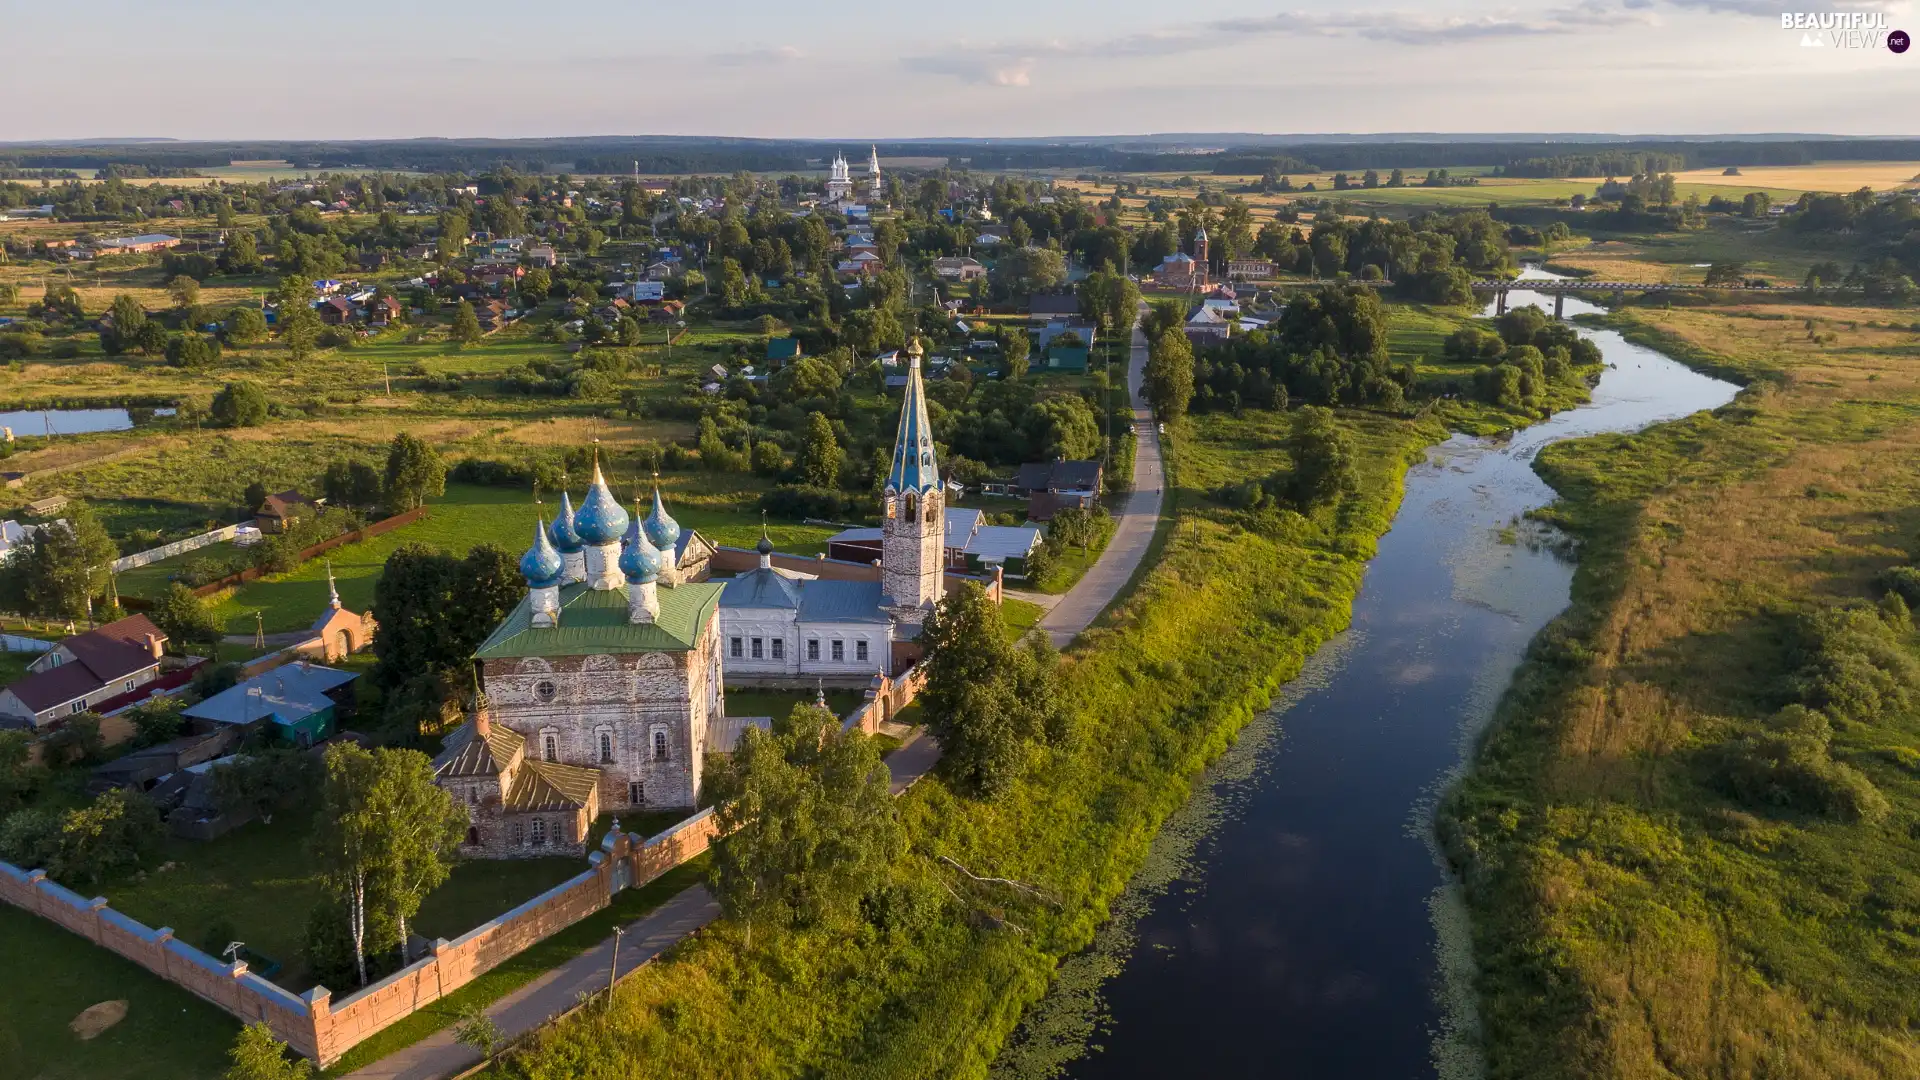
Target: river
[(1295, 920)]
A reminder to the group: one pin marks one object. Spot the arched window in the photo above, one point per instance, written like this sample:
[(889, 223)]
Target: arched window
[(659, 746), (606, 747), (473, 836), (550, 746), (473, 796), (913, 505), (933, 512), (539, 832)]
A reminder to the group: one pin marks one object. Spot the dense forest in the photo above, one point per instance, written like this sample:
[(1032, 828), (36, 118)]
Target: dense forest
[(676, 155)]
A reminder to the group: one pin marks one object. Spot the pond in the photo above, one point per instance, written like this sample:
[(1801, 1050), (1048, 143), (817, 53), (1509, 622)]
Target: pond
[(44, 422)]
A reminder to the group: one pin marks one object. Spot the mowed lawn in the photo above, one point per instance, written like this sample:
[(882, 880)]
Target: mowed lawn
[(468, 515), (52, 975), (258, 883)]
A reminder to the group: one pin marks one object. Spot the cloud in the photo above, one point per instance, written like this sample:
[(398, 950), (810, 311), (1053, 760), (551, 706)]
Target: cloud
[(754, 57), (1016, 63)]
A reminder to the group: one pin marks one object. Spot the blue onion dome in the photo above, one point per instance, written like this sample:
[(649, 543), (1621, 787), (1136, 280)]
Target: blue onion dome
[(562, 532), (601, 519), (765, 546), (641, 561), (661, 528), (542, 565)]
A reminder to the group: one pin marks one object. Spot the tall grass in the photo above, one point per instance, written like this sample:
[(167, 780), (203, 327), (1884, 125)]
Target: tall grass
[(1632, 916)]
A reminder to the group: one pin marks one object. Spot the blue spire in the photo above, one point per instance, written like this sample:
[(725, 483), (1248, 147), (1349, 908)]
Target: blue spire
[(561, 531), (662, 530), (601, 519), (913, 465), (641, 561), (541, 565)]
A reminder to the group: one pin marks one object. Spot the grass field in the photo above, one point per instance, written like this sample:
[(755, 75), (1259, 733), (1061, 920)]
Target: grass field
[(778, 704), (52, 975), (259, 879), (1634, 917), (467, 516), (1020, 616)]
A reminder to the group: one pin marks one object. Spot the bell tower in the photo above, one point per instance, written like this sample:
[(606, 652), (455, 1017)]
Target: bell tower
[(913, 534)]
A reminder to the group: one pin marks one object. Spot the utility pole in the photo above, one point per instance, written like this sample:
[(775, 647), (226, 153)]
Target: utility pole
[(613, 971), (386, 370)]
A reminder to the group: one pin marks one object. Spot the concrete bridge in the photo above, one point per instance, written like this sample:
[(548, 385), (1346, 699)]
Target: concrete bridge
[(1499, 287)]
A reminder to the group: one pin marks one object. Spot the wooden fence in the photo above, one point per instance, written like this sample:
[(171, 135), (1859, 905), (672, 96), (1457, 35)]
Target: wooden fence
[(254, 573)]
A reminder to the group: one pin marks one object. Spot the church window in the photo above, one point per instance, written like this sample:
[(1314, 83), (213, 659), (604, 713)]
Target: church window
[(550, 746), (659, 746), (539, 832), (913, 507), (839, 649), (759, 648), (813, 648), (779, 648), (515, 833), (473, 836), (606, 748), (473, 796), (860, 649), (636, 794), (736, 648), (545, 690)]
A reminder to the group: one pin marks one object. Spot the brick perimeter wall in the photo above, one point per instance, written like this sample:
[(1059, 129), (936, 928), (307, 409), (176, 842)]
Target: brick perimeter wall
[(314, 1025)]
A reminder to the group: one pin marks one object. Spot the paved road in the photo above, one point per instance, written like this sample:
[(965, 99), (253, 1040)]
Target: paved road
[(555, 992), (1133, 531)]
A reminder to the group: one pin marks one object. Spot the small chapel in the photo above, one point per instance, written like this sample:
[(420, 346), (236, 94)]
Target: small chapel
[(604, 687)]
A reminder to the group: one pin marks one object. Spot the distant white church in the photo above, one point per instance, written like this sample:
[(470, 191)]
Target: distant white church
[(840, 181)]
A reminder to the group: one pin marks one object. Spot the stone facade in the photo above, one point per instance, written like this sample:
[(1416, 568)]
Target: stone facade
[(639, 719)]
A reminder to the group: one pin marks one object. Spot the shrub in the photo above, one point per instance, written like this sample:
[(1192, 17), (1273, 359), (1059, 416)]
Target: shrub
[(30, 838), (1791, 767), (111, 835), (801, 501)]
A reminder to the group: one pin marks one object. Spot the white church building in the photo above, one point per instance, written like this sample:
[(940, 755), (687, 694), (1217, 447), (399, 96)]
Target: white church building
[(778, 624)]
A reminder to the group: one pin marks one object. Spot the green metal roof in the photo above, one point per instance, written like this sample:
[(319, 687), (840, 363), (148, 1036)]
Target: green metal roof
[(594, 622)]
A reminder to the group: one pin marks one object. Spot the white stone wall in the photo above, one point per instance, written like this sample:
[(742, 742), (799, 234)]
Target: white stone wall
[(912, 549), (630, 698)]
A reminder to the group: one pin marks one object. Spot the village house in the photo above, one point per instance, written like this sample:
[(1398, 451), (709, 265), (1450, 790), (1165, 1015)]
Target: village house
[(337, 311), (144, 244), (385, 310), (83, 671), (282, 509), (300, 703), (1208, 326), (1249, 269), (960, 268), (1049, 307), (1050, 486)]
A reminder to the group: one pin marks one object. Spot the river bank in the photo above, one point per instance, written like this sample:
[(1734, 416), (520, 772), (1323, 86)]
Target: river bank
[(1296, 907), (1641, 905)]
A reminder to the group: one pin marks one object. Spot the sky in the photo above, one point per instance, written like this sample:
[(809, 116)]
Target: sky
[(266, 69)]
